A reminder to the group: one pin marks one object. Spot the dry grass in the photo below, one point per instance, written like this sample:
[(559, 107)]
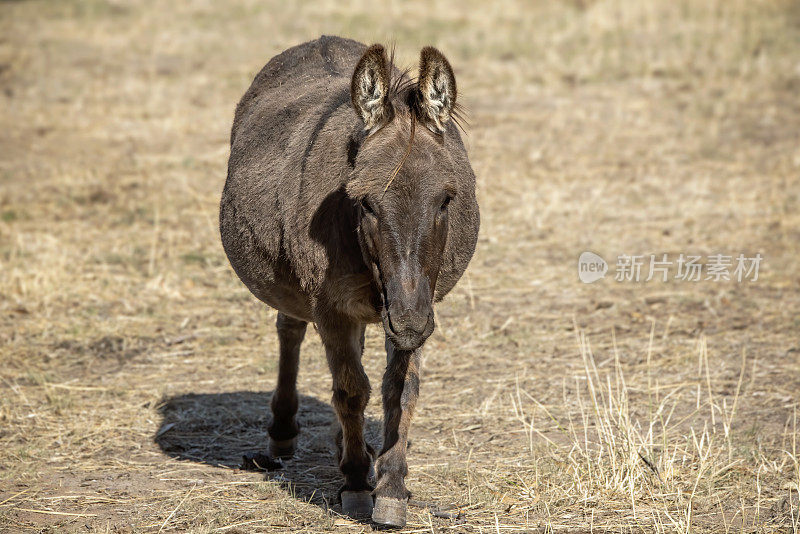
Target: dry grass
[(135, 369)]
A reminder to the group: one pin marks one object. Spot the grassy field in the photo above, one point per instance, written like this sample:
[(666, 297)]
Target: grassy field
[(135, 369)]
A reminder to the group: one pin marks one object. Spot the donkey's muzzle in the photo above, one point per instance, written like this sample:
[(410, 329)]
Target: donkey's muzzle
[(408, 320), (410, 337)]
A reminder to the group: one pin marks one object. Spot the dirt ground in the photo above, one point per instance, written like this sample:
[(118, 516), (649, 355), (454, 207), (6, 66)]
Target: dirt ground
[(136, 370)]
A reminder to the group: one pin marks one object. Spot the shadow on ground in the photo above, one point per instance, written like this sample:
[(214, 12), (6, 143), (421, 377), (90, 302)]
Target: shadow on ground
[(219, 428)]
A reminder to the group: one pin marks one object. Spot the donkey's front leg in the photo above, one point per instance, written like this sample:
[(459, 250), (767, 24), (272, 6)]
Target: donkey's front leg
[(343, 341), (400, 391)]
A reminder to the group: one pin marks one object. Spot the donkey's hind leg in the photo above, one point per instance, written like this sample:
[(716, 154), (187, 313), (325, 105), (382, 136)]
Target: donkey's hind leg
[(283, 430)]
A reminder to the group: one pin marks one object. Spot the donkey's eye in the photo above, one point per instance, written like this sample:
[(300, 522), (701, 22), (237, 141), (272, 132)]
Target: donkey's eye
[(367, 207), (445, 203)]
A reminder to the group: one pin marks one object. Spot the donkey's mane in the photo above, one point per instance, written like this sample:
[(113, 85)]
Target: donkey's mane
[(399, 80), (405, 156)]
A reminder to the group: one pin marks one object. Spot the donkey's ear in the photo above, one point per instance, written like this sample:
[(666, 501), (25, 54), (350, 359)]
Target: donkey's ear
[(369, 88), (436, 88)]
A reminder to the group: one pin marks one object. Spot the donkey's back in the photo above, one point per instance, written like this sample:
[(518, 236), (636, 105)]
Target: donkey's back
[(304, 73), (281, 164)]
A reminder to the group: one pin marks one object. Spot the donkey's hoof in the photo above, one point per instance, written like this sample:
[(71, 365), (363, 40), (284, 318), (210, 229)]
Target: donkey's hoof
[(282, 449), (390, 512), (357, 504)]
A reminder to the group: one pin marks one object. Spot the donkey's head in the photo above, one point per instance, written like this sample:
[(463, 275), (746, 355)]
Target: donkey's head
[(404, 182)]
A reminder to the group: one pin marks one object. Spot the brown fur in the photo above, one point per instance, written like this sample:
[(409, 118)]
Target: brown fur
[(333, 212)]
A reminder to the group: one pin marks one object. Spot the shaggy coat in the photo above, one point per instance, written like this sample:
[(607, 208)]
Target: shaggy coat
[(350, 200)]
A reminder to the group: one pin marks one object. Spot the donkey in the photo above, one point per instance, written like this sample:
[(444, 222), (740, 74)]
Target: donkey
[(350, 200)]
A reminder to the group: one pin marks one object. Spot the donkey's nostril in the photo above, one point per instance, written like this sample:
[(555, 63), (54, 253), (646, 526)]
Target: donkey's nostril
[(411, 331)]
